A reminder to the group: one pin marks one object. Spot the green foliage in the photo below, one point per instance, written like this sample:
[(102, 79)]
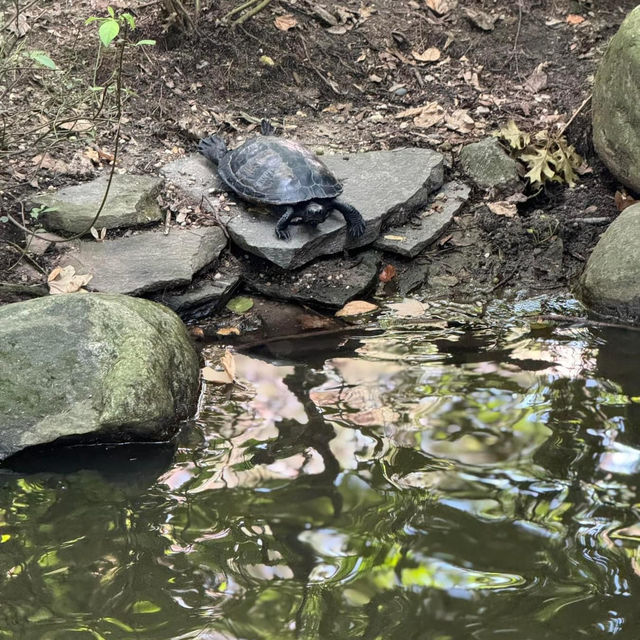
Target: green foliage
[(42, 59), (240, 304), (111, 26), (36, 211), (547, 157)]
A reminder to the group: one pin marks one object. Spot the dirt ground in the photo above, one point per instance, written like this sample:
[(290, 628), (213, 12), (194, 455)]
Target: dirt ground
[(333, 86)]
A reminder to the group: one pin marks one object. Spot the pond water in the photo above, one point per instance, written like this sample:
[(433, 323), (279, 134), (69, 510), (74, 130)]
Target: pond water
[(472, 475)]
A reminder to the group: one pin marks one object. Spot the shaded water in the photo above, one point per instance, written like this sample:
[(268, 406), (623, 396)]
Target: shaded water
[(474, 478)]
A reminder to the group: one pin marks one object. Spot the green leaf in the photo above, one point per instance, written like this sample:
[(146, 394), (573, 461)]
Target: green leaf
[(4, 219), (111, 12), (144, 606), (43, 59), (108, 31), (240, 304), (143, 42), (91, 19), (130, 20)]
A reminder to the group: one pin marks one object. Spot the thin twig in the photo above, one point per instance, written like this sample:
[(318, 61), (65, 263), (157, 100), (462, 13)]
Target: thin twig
[(575, 114)]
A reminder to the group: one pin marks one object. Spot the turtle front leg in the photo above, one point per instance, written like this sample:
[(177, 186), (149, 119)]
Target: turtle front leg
[(282, 233), (355, 223)]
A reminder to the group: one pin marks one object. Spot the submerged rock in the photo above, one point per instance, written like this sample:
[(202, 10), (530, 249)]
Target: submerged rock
[(490, 167), (147, 261), (616, 93), (328, 282), (131, 201), (92, 368), (384, 186), (610, 284)]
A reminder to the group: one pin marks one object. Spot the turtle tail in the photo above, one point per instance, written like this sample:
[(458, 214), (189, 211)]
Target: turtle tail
[(213, 148)]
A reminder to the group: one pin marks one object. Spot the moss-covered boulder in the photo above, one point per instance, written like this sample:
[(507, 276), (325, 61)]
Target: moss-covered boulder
[(610, 284), (94, 368), (616, 95)]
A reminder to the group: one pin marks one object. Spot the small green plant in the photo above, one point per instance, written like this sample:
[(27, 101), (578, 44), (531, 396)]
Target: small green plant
[(35, 212), (547, 157), (111, 26)]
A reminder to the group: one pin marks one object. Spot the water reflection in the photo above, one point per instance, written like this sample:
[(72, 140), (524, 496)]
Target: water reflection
[(461, 476)]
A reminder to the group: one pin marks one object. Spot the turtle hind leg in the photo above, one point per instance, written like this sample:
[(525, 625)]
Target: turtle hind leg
[(355, 223), (282, 233)]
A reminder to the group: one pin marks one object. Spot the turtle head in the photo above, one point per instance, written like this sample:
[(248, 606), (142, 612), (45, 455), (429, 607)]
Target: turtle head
[(315, 213), (213, 148)]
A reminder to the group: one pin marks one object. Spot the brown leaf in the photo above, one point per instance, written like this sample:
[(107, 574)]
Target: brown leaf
[(503, 208), (441, 6), (196, 333), (482, 20), (388, 273), (215, 377), (228, 331), (460, 121), (77, 125), (356, 308), (427, 116), (286, 22), (537, 81), (65, 280), (573, 18), (432, 54), (623, 200)]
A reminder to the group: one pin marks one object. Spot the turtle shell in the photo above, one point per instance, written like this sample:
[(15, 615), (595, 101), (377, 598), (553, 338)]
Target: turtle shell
[(275, 171)]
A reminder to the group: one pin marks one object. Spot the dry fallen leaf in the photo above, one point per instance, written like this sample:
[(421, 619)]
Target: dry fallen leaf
[(408, 308), (424, 117), (397, 238), (503, 208), (65, 280), (623, 200), (442, 6), (77, 126), (388, 273), (572, 18), (356, 308), (481, 19), (432, 54), (228, 331), (215, 377), (537, 81), (460, 121), (286, 22)]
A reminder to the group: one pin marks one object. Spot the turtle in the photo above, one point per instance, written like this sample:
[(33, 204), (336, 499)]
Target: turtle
[(284, 175)]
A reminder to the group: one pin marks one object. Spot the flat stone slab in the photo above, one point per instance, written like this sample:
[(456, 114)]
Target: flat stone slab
[(195, 176), (147, 261), (382, 185), (131, 201), (204, 297), (412, 237), (329, 282)]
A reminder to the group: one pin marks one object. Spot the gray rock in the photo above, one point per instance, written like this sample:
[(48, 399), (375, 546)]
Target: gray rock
[(204, 297), (195, 176), (131, 201), (411, 238), (616, 93), (93, 368), (329, 282), (147, 261), (384, 185), (490, 167), (610, 284)]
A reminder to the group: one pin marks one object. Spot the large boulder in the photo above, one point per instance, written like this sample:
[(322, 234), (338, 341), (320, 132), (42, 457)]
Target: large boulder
[(616, 95), (92, 367), (610, 284)]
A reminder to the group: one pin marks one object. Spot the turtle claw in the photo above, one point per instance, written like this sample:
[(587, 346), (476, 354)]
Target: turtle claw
[(356, 229), (283, 234)]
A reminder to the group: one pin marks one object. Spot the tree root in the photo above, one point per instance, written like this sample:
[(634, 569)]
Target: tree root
[(250, 9)]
